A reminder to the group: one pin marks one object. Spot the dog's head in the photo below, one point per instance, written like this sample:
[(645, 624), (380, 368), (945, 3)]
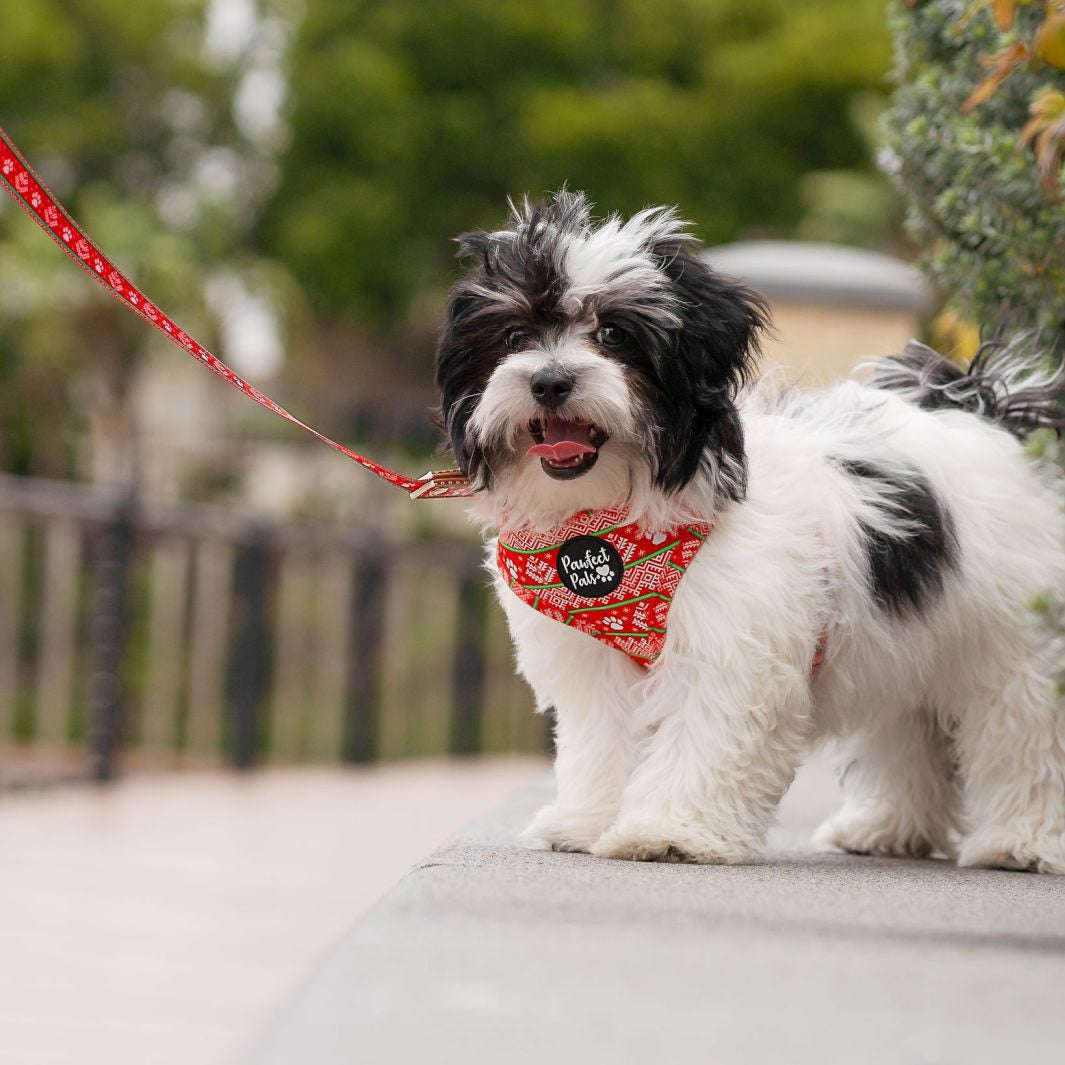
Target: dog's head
[(584, 362)]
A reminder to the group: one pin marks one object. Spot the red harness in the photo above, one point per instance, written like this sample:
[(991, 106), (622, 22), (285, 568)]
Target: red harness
[(599, 574)]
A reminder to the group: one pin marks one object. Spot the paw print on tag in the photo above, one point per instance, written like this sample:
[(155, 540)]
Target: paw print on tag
[(658, 538), (589, 566), (614, 624)]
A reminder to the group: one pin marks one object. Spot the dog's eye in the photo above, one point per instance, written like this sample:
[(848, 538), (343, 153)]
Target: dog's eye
[(515, 338), (610, 336)]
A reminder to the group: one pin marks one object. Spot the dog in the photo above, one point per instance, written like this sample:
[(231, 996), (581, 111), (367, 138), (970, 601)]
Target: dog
[(872, 555)]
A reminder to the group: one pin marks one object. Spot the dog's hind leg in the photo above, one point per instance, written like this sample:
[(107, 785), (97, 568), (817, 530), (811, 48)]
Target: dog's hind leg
[(901, 799), (1011, 750)]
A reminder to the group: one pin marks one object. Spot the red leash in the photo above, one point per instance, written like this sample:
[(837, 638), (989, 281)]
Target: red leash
[(34, 197)]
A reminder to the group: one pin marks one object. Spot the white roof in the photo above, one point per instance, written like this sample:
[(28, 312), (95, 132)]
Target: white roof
[(807, 272)]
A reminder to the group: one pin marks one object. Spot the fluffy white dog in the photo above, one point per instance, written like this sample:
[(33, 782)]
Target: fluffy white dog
[(897, 526)]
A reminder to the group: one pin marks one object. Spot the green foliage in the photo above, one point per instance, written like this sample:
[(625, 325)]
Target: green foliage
[(130, 118), (406, 122), (412, 121), (990, 237)]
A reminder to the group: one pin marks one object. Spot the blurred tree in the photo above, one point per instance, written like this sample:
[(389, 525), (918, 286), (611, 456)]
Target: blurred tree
[(156, 124), (983, 206), (396, 124), (859, 205), (412, 121)]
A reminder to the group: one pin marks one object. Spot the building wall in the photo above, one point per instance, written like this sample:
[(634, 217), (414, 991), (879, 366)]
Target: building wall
[(818, 343)]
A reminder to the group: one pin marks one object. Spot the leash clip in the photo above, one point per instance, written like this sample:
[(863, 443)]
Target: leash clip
[(441, 484)]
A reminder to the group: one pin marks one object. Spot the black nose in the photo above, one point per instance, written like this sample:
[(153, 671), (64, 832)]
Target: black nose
[(551, 387)]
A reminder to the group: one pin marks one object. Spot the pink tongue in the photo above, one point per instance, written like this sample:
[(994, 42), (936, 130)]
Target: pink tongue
[(563, 440)]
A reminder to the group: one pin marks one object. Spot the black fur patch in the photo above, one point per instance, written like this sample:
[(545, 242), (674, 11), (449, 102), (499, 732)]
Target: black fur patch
[(907, 572), (706, 361)]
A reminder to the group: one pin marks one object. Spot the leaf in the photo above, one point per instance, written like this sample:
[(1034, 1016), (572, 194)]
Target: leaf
[(1049, 41), (1002, 65), (1045, 131), (1003, 12)]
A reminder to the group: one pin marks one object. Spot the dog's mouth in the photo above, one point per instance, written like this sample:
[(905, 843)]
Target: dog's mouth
[(566, 449)]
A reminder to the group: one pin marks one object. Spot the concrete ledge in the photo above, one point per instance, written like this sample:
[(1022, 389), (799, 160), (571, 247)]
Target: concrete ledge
[(487, 953)]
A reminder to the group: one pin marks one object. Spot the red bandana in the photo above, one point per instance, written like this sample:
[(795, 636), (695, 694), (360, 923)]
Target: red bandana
[(602, 576)]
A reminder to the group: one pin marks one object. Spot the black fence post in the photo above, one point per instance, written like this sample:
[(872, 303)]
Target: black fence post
[(365, 633), (468, 669), (108, 631), (247, 680)]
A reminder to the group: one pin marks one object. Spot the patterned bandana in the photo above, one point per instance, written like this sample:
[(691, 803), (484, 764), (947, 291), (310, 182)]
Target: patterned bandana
[(601, 575)]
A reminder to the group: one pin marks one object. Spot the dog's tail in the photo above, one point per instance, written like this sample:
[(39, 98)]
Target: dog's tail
[(1012, 384)]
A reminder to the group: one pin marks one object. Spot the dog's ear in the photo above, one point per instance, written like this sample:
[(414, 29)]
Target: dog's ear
[(723, 320), (466, 354), (474, 245), (453, 370), (714, 354)]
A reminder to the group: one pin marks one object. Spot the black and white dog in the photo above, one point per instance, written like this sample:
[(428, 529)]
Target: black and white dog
[(898, 520)]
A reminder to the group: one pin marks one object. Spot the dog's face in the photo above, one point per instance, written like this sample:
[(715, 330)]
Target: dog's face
[(605, 356)]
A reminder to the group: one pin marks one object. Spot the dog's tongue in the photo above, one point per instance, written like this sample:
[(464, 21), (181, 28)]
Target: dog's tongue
[(563, 440)]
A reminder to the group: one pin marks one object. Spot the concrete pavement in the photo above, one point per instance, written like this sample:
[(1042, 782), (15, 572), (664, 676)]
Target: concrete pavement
[(160, 921), (488, 953)]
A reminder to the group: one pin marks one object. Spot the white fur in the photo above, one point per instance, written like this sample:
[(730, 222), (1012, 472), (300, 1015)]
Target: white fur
[(690, 759), (613, 253)]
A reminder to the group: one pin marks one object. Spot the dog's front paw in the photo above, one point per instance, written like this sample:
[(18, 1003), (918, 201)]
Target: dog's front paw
[(650, 841), (559, 829), (879, 830), (1005, 850)]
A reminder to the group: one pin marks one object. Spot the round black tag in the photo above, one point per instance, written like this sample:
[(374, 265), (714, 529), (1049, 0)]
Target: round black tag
[(589, 566)]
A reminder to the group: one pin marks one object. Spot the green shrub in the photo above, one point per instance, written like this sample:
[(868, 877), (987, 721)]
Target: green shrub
[(992, 237)]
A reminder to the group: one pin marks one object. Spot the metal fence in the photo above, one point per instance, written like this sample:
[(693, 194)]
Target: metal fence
[(192, 634)]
